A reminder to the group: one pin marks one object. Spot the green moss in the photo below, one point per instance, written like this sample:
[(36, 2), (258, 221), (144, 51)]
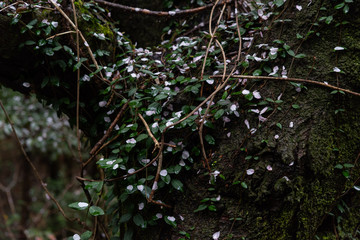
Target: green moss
[(93, 24)]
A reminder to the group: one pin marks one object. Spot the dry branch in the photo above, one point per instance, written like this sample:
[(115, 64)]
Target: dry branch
[(158, 13)]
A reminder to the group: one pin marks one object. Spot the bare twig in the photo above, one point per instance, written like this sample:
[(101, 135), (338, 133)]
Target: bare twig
[(7, 189), (292, 80), (77, 83), (59, 34), (107, 134), (149, 131), (158, 13), (10, 5)]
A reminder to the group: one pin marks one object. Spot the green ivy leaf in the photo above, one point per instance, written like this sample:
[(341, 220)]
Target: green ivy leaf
[(346, 173), (348, 165), (210, 139), (291, 53), (96, 211), (29, 42), (212, 208), (339, 166), (169, 220), (341, 5), (97, 186), (79, 205), (86, 235), (161, 96), (329, 19), (279, 3), (177, 184), (257, 72), (301, 55), (279, 125), (201, 208), (166, 178), (177, 169), (141, 137), (219, 113), (295, 106), (125, 217), (139, 221), (244, 185)]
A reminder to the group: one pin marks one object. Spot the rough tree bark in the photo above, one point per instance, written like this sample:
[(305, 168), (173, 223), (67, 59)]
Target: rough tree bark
[(303, 194)]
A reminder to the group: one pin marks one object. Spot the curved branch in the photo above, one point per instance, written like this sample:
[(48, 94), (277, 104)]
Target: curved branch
[(158, 13), (292, 80)]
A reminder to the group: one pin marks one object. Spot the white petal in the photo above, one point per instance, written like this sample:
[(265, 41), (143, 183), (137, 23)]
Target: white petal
[(210, 81), (263, 110), (130, 187), (149, 113), (336, 69), (291, 124), (247, 123), (140, 187), (298, 7), (216, 235), (269, 168), (76, 237), (102, 104), (130, 68), (145, 161), (141, 206), (131, 140), (171, 218), (155, 186), (163, 172), (338, 48), (185, 154), (83, 204), (250, 171), (256, 95), (233, 107), (245, 92)]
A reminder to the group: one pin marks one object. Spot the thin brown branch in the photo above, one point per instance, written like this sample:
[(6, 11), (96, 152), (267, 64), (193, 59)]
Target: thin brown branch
[(149, 131), (107, 134), (59, 34), (158, 13), (292, 80), (8, 188), (77, 84)]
